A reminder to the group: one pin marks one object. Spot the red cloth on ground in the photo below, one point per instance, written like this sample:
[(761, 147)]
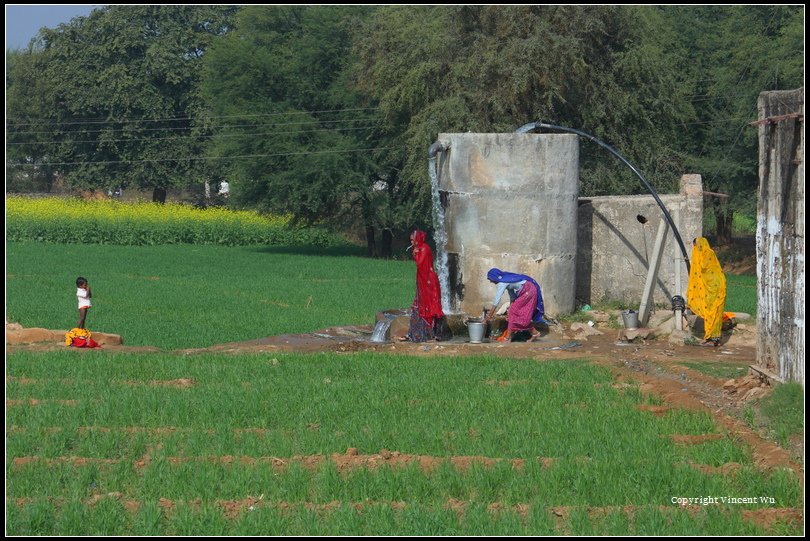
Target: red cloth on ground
[(428, 295), (80, 342), (522, 308)]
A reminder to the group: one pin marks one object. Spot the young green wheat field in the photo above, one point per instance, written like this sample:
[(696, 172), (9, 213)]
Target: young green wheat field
[(100, 442)]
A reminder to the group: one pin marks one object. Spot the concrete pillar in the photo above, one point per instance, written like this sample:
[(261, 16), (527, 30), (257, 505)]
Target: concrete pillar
[(780, 235)]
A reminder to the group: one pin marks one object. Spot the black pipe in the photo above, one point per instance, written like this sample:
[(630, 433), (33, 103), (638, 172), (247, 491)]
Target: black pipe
[(533, 126), (435, 148)]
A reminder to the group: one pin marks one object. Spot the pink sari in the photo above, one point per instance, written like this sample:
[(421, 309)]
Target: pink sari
[(522, 309)]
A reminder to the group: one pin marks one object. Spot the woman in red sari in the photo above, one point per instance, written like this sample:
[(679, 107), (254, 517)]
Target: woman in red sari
[(426, 311)]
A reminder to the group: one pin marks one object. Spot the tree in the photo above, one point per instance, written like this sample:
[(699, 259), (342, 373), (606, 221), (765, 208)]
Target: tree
[(297, 134), (605, 70), (27, 169), (731, 55), (117, 95)]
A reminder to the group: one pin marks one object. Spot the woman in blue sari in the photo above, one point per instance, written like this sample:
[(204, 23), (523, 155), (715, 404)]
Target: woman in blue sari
[(526, 306)]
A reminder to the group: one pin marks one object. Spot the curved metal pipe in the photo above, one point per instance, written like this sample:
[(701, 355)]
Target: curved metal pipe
[(533, 126), (435, 148)]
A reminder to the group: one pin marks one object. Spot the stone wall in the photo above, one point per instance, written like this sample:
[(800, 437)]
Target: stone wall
[(615, 247)]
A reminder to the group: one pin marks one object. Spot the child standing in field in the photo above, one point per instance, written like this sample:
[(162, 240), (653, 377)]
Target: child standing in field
[(83, 293)]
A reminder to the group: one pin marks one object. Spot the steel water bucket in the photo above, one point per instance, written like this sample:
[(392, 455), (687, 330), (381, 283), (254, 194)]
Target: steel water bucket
[(630, 318), (477, 330)]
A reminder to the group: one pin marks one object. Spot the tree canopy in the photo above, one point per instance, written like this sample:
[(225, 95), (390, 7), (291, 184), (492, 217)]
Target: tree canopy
[(326, 113), (297, 134), (493, 68), (113, 95), (731, 55)]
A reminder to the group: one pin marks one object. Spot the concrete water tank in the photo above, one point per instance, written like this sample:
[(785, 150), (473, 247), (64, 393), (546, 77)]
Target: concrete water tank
[(510, 202)]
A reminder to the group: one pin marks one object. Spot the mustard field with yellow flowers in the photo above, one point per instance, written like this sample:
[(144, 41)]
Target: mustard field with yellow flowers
[(73, 220)]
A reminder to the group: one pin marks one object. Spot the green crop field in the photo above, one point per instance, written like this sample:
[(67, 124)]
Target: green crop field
[(723, 370), (110, 443), (182, 296), (162, 444), (741, 294), (187, 296)]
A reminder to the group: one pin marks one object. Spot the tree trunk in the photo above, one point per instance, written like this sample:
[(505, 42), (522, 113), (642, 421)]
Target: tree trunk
[(724, 218), (387, 240), (372, 246), (159, 195)]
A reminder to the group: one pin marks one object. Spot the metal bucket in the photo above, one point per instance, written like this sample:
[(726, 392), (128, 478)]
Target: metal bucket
[(630, 318), (477, 330)]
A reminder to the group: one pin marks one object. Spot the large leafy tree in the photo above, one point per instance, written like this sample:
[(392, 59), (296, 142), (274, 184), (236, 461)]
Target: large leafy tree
[(606, 70), (27, 168), (116, 95), (294, 133), (731, 55)]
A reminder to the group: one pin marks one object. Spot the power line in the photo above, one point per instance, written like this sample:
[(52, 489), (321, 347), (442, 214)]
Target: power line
[(184, 137), (204, 127), (720, 120), (707, 97), (730, 148), (125, 120), (201, 158)]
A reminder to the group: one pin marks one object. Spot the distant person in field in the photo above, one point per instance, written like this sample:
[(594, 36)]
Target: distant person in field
[(83, 293), (706, 292), (426, 310), (526, 306), (224, 189)]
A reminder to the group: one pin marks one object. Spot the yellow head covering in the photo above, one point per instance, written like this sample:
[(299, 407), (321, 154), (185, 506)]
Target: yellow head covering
[(706, 294)]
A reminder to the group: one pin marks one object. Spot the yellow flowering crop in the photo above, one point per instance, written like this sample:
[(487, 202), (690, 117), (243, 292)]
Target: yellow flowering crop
[(65, 220), (48, 208)]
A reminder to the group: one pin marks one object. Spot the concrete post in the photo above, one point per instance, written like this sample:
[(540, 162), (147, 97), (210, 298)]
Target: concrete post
[(652, 273), (678, 262), (780, 235)]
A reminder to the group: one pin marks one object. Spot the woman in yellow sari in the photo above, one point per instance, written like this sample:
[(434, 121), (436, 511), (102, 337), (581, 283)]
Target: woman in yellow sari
[(706, 294)]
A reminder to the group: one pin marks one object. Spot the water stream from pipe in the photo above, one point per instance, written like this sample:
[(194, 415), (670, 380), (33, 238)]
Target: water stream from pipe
[(440, 236), (380, 330)]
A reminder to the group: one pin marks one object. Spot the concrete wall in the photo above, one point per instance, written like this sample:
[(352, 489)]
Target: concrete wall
[(615, 247), (780, 234), (510, 202)]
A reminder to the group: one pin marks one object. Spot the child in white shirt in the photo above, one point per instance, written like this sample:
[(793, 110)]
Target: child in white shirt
[(83, 293)]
